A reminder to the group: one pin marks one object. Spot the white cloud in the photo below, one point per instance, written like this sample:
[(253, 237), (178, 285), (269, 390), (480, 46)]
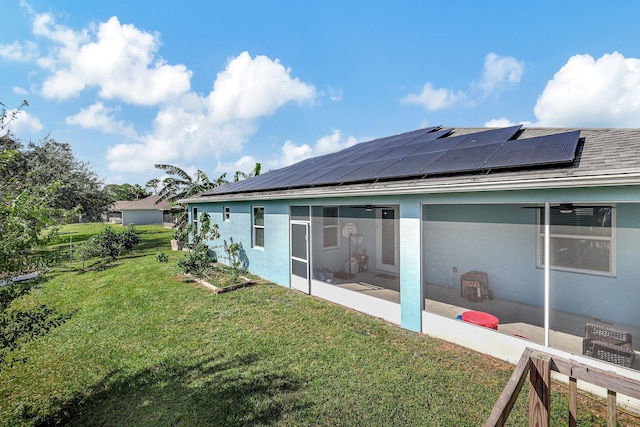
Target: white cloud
[(594, 93), (99, 117), (194, 126), (122, 63), (499, 123), (19, 52), (20, 90), (504, 122), (245, 164), (435, 99), (332, 143), (335, 94), (252, 87), (23, 122), (499, 71), (119, 59), (291, 153)]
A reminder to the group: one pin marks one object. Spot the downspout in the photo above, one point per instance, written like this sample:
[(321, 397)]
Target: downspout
[(547, 262)]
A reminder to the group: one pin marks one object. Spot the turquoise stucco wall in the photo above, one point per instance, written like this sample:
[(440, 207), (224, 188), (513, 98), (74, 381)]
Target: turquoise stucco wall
[(410, 256), (270, 262), (510, 231)]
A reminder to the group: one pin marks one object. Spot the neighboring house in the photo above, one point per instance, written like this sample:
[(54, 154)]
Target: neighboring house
[(143, 212), (537, 227)]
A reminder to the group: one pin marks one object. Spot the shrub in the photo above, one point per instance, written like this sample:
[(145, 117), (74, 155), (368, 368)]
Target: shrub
[(112, 244), (162, 257), (196, 262)]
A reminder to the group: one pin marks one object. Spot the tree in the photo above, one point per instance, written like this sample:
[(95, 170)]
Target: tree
[(52, 160), (198, 261), (239, 175), (126, 192), (26, 208), (111, 243), (153, 184), (180, 185)]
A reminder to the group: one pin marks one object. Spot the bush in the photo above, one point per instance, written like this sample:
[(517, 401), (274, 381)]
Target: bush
[(112, 244), (196, 262), (162, 257)]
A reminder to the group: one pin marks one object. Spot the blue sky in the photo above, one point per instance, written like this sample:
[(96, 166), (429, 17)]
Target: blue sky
[(220, 85)]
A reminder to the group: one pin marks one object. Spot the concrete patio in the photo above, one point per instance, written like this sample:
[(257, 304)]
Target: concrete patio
[(524, 321)]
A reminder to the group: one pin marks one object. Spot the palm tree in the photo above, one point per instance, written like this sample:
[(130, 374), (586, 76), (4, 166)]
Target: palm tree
[(241, 175), (180, 185), (153, 183)]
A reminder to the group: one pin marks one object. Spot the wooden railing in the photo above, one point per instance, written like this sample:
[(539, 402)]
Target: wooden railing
[(539, 365)]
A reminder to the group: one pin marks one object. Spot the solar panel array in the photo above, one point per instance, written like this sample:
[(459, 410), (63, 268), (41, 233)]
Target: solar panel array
[(415, 154)]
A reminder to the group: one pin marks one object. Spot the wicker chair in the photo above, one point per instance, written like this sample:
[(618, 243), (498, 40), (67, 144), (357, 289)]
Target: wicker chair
[(608, 344)]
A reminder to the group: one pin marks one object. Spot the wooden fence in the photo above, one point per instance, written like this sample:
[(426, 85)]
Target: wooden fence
[(539, 365)]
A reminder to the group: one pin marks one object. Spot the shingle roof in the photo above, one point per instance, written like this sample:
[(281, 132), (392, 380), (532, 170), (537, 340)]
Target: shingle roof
[(148, 203), (600, 153)]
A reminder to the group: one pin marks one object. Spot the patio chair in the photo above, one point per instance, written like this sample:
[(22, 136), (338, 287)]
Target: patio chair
[(608, 344)]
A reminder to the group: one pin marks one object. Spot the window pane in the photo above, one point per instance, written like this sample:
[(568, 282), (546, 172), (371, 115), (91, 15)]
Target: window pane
[(299, 268), (330, 236), (259, 236), (300, 213), (581, 254), (330, 215), (581, 221), (258, 216), (299, 241)]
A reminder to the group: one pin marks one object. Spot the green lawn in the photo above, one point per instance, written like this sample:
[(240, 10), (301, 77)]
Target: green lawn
[(144, 347)]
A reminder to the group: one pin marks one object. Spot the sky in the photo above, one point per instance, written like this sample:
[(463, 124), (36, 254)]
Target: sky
[(220, 85)]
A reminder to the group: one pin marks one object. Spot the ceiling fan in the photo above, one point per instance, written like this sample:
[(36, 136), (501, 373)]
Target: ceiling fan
[(368, 208), (567, 208)]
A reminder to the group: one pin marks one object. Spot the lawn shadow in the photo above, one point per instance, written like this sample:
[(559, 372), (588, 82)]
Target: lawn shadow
[(100, 265), (160, 242), (226, 391)]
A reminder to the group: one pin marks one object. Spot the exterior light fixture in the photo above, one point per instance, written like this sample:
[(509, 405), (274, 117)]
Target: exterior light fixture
[(566, 208)]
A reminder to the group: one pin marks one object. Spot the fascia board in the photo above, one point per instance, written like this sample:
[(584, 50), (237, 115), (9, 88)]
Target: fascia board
[(422, 187)]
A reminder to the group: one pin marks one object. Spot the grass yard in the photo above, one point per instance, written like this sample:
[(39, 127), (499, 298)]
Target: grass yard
[(144, 347)]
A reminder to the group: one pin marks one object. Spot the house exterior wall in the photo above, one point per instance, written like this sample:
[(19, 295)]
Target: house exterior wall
[(270, 262), (142, 217), (513, 245)]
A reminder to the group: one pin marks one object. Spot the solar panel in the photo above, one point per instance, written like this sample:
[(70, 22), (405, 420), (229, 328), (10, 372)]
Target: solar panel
[(409, 166), (367, 170), (414, 154), (324, 176), (464, 159), (430, 137), (405, 138), (541, 150), (440, 144), (411, 147), (374, 155), (489, 137)]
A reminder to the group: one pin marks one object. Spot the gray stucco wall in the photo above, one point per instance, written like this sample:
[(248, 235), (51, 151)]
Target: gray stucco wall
[(142, 217)]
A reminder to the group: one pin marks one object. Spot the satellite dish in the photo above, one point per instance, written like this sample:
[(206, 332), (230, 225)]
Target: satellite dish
[(349, 229)]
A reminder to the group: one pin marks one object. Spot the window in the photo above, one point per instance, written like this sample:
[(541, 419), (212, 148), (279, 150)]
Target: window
[(582, 239), (330, 227), (258, 227), (227, 213), (194, 219)]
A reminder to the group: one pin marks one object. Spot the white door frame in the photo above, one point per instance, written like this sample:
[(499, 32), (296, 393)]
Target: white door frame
[(297, 281), (380, 239)]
